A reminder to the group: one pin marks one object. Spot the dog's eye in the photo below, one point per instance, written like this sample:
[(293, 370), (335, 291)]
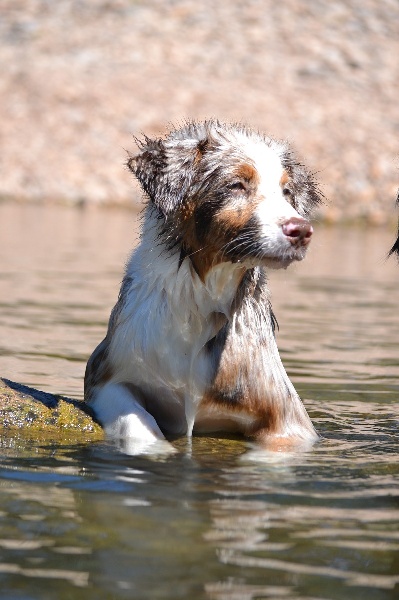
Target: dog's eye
[(238, 186), (289, 196)]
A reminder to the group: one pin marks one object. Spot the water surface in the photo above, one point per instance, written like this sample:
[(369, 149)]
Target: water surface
[(219, 519)]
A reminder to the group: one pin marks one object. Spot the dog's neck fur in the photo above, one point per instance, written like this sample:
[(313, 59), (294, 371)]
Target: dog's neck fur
[(186, 293)]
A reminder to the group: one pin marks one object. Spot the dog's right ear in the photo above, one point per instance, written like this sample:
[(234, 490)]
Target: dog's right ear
[(149, 165), (165, 169)]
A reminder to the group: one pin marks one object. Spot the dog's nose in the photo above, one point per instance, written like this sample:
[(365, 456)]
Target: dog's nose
[(298, 231)]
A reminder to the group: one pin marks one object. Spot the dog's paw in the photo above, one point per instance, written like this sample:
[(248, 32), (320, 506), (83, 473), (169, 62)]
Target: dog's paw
[(135, 447), (141, 427)]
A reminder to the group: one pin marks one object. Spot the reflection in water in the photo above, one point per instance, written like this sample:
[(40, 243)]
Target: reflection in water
[(206, 519), (218, 519)]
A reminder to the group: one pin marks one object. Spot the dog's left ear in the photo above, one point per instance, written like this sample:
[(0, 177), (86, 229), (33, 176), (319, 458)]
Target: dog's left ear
[(165, 169)]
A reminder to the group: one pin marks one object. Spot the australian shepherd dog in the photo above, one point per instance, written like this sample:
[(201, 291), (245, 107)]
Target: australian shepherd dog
[(190, 345)]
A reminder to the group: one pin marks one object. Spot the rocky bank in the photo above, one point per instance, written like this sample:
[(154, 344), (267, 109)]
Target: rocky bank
[(79, 77)]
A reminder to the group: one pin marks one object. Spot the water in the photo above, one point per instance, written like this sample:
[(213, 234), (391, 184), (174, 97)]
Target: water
[(219, 520)]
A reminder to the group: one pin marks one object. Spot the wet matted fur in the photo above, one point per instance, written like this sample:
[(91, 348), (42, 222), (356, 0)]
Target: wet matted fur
[(190, 344)]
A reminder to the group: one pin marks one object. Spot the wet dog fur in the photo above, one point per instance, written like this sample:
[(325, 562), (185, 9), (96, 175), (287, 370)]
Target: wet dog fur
[(190, 345)]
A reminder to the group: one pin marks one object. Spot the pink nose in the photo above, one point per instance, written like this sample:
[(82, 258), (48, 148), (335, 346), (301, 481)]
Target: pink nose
[(298, 231)]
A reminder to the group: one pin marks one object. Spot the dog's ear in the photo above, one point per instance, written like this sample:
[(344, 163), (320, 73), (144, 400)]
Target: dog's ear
[(165, 169), (149, 165)]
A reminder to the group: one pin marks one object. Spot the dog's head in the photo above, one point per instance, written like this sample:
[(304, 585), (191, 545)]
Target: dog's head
[(225, 193)]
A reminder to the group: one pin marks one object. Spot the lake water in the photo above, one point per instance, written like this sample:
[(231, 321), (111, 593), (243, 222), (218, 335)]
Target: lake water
[(218, 520)]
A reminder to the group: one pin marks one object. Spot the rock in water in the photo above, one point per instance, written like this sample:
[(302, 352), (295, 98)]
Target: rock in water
[(26, 409)]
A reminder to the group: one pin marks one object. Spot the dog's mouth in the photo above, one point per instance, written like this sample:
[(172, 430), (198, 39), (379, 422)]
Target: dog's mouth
[(272, 246), (276, 258), (282, 262)]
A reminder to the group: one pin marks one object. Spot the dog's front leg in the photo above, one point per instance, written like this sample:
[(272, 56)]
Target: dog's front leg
[(124, 419)]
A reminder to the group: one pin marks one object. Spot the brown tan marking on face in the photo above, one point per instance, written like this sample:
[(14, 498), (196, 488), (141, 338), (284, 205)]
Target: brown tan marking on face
[(284, 179), (236, 214), (226, 222), (209, 253), (247, 173), (231, 219)]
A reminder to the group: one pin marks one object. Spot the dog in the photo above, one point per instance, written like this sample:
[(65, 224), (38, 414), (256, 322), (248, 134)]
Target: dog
[(190, 345)]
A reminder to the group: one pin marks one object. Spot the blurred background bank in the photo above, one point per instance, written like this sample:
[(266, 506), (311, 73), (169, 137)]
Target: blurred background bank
[(80, 77)]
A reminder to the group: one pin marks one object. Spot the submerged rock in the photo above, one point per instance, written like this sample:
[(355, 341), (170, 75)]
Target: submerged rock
[(23, 408)]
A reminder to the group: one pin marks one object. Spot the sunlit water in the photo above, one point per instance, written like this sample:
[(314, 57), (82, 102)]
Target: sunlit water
[(219, 519)]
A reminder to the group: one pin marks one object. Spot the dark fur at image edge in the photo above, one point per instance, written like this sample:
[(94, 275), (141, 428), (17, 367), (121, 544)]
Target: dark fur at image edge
[(395, 247)]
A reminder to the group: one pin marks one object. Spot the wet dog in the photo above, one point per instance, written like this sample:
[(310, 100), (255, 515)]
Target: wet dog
[(190, 344)]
